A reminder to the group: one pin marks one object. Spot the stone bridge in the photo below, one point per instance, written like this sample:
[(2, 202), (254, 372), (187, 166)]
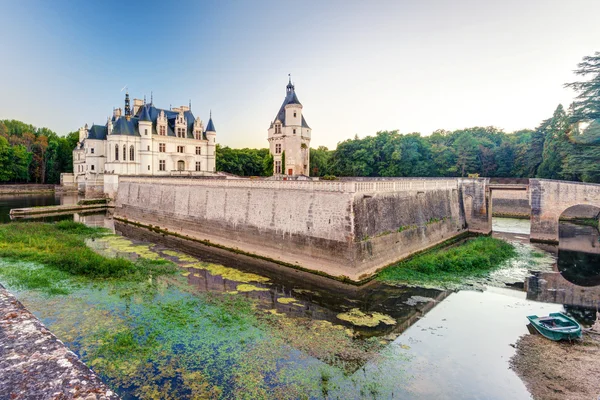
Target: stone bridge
[(548, 199)]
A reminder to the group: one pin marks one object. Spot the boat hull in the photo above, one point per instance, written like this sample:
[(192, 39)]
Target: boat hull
[(556, 326)]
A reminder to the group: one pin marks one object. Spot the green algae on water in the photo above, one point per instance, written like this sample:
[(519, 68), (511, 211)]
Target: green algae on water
[(371, 320), (182, 257), (244, 287), (231, 274), (286, 300)]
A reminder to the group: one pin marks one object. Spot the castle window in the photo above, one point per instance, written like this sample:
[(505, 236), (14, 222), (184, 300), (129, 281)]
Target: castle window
[(277, 167), (277, 128), (198, 166), (148, 148), (92, 167), (294, 131), (162, 147), (198, 150), (92, 150), (161, 165), (278, 148), (148, 168), (294, 114), (131, 153), (124, 153), (116, 152), (163, 130), (146, 132)]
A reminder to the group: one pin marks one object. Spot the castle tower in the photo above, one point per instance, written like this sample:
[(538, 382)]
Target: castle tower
[(211, 135), (145, 130), (289, 137)]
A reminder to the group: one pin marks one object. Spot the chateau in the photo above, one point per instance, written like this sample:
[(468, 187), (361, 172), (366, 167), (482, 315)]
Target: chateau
[(289, 137), (145, 140)]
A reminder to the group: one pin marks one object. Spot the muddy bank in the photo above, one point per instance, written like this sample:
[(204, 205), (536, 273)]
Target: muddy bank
[(559, 370)]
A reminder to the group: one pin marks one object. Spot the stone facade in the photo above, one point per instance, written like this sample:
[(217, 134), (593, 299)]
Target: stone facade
[(347, 228)]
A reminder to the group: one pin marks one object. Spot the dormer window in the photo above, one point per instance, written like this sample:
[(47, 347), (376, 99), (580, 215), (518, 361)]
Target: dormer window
[(163, 131), (277, 128)]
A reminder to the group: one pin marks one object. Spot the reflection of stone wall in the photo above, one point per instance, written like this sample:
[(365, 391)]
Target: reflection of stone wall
[(25, 188), (551, 287), (343, 229), (511, 203)]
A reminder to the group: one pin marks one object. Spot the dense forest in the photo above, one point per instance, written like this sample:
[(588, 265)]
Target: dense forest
[(34, 155), (565, 146)]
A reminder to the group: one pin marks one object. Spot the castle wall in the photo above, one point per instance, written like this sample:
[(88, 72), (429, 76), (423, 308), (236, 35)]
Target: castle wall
[(339, 228), (511, 203)]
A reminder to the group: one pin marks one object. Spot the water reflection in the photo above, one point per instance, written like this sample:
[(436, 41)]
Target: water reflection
[(575, 280), (313, 296)]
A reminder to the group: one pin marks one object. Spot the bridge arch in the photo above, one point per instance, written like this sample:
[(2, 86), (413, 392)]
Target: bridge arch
[(550, 199)]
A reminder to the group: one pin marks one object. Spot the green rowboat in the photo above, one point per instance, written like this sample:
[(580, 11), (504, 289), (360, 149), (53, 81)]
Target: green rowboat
[(556, 326)]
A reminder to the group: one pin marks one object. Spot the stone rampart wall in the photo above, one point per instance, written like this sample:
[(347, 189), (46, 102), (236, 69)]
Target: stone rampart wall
[(339, 228), (511, 203)]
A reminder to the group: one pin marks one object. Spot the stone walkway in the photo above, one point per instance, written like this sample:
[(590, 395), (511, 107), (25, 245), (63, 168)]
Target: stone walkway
[(34, 364)]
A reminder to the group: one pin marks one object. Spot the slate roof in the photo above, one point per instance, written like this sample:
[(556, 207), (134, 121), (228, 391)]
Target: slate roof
[(124, 127), (290, 98), (97, 132), (148, 112)]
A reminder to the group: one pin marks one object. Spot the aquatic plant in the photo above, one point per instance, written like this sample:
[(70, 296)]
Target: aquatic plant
[(62, 246), (473, 258)]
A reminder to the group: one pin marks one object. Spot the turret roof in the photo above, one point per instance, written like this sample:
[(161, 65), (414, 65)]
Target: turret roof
[(145, 115), (290, 98), (210, 127)]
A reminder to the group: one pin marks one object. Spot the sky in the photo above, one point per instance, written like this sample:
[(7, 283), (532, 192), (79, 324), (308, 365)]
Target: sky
[(358, 66)]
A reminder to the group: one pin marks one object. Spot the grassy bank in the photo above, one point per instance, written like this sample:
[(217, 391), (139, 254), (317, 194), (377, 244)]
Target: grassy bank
[(475, 257), (61, 247)]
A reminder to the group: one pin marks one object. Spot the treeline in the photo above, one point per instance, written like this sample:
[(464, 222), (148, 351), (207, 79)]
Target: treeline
[(565, 146), (555, 150), (34, 155)]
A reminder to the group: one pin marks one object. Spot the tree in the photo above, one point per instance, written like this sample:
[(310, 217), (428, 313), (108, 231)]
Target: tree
[(319, 161), (587, 103), (556, 146), (466, 154)]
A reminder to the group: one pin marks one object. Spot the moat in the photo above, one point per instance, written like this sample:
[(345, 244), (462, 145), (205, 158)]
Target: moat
[(224, 329)]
